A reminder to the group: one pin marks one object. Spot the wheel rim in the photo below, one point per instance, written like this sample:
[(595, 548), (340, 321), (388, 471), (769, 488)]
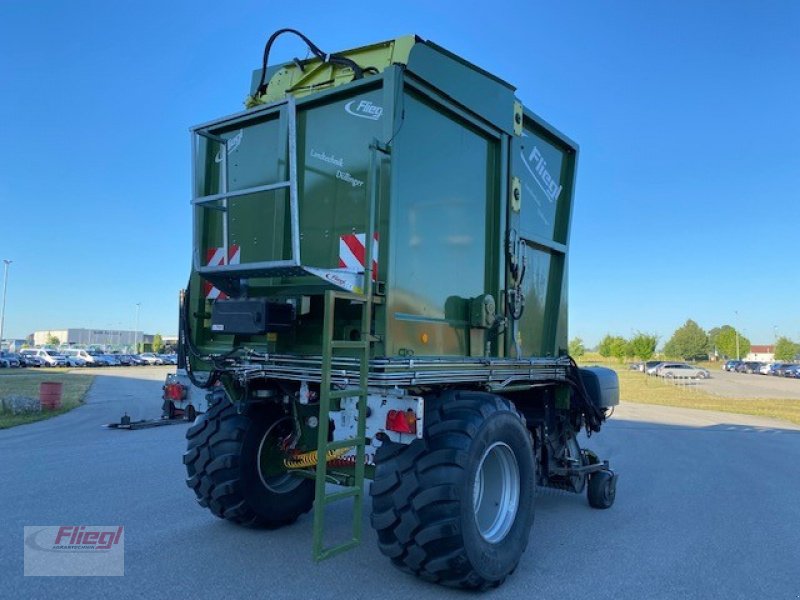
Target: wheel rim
[(270, 459), (496, 492)]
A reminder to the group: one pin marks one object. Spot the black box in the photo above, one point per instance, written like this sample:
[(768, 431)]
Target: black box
[(254, 316)]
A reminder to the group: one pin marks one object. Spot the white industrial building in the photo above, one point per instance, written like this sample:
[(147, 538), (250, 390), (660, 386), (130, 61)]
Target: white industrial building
[(113, 338)]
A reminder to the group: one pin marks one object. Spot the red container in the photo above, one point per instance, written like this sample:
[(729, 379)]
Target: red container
[(50, 395)]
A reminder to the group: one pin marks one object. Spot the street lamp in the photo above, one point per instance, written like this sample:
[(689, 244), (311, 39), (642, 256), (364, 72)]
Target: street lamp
[(3, 309), (736, 329), (136, 330)]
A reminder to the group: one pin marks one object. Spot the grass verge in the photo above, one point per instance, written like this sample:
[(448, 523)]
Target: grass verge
[(638, 388), (25, 382)]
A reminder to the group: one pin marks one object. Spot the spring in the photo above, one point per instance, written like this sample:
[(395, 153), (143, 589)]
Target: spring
[(309, 459), (343, 462)]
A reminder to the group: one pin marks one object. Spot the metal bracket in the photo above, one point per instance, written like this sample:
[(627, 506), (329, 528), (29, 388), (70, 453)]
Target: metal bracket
[(517, 118), (515, 196)]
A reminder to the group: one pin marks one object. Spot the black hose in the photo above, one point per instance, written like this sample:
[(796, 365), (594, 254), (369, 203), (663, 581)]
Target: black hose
[(334, 59), (185, 335), (593, 415)]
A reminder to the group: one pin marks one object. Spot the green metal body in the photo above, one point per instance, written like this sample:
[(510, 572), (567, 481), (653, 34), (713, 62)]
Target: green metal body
[(443, 215), (463, 190)]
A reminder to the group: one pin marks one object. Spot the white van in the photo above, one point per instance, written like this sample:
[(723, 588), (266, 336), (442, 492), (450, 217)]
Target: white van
[(51, 358), (88, 359)]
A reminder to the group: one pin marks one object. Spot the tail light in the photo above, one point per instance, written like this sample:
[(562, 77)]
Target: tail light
[(175, 392), (402, 421)]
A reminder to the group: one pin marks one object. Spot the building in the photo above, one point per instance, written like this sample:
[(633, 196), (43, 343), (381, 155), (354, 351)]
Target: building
[(761, 353), (12, 345), (109, 338)]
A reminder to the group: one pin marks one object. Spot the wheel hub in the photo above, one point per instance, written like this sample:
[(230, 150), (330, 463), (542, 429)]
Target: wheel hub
[(270, 459), (496, 492)]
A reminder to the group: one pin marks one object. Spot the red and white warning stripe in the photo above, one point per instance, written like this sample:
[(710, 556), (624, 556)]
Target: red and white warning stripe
[(215, 257), (352, 253)]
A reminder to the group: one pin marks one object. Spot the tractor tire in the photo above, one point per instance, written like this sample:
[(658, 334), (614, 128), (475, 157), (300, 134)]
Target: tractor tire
[(456, 507), (223, 467)]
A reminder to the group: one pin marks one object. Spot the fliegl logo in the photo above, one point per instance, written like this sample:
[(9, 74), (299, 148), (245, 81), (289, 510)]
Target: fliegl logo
[(364, 109), (74, 550), (72, 538), (537, 166), (232, 144)]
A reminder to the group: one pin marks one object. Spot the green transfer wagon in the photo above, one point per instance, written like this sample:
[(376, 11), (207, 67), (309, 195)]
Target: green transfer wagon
[(379, 291)]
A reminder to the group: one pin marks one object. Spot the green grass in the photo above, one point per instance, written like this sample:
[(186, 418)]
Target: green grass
[(638, 388), (25, 382)]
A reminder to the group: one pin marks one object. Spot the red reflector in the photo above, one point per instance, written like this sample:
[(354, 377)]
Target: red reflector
[(402, 421), (175, 391)]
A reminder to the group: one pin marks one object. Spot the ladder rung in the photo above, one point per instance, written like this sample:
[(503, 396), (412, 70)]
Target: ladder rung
[(334, 550), (201, 200), (360, 345), (348, 493), (348, 393), (348, 443)]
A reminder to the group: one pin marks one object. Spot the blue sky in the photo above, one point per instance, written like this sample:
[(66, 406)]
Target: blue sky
[(686, 114)]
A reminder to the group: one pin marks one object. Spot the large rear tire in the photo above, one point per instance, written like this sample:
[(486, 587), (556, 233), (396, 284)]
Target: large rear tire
[(233, 466), (456, 507)]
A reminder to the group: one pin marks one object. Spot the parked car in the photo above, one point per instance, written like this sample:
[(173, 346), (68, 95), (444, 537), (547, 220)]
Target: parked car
[(74, 361), (101, 360), (88, 359), (651, 366), (30, 361), (124, 359), (8, 360), (137, 361), (780, 370), (169, 359), (731, 365), (151, 359), (748, 367), (793, 371), (681, 371), (112, 359), (50, 358)]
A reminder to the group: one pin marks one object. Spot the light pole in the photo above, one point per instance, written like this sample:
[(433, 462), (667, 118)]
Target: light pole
[(736, 329), (136, 330), (3, 309)]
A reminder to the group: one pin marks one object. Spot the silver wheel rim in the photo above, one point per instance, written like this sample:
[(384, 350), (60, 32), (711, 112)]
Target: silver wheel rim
[(279, 484), (495, 496)]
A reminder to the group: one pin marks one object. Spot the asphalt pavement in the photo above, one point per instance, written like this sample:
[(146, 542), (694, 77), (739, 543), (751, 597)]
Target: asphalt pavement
[(708, 506), (750, 385)]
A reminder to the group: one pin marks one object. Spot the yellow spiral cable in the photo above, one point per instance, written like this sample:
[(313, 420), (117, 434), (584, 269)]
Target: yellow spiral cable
[(309, 459)]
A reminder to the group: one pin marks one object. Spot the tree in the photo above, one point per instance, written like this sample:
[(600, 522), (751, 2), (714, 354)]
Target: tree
[(643, 345), (689, 341), (52, 340), (612, 345), (576, 348), (618, 346), (724, 340), (158, 343), (786, 349), (604, 347)]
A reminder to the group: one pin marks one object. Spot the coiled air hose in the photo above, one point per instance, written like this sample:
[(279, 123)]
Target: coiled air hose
[(309, 459)]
